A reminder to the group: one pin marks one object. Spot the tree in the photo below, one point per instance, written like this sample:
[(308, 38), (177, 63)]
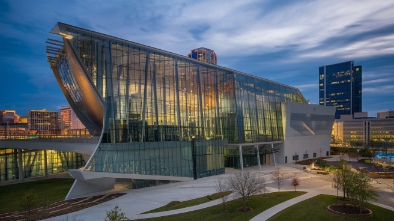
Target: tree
[(221, 187), (335, 184), (278, 178), (115, 215), (295, 182), (28, 203), (245, 184), (343, 177), (361, 189)]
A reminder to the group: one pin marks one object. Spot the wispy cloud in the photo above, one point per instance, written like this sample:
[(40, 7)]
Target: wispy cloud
[(275, 40), (306, 86), (386, 89)]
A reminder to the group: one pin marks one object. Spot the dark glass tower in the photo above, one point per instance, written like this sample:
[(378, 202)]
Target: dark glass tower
[(340, 85)]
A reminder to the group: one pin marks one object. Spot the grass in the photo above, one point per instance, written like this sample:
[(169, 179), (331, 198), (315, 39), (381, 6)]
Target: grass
[(178, 205), (49, 191), (315, 209), (258, 203)]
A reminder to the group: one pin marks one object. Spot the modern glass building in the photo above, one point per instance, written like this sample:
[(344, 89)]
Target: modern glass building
[(340, 85), (162, 116)]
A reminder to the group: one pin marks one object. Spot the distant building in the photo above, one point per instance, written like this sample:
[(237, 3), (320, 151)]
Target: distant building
[(365, 130), (340, 86), (203, 54), (22, 119), (65, 118), (68, 119), (8, 117), (43, 121), (386, 114)]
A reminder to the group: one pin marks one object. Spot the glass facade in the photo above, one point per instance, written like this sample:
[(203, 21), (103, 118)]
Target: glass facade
[(340, 85), (33, 162), (163, 113)]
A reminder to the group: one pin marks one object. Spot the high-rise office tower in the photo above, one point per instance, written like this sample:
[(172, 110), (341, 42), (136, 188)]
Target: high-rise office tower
[(203, 54), (340, 86)]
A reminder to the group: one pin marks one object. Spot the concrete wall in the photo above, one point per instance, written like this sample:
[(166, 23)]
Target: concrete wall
[(307, 130)]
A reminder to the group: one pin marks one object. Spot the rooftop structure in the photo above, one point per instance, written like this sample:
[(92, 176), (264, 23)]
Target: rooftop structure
[(204, 54)]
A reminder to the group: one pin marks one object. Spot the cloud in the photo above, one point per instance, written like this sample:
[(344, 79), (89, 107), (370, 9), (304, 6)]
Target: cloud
[(306, 86), (284, 41), (386, 89)]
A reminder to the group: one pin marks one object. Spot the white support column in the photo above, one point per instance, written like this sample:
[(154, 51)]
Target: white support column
[(241, 161), (273, 154), (258, 156)]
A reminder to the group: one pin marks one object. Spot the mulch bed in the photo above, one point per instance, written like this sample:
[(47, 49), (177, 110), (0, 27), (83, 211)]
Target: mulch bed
[(59, 208), (349, 210), (310, 161), (380, 175)]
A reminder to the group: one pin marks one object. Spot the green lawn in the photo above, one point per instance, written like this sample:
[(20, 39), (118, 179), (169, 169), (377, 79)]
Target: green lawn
[(315, 209), (258, 204), (49, 191), (178, 205)]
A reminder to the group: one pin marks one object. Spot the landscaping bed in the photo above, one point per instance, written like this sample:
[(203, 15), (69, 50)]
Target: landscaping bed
[(316, 208), (349, 210), (380, 175), (59, 208), (310, 161)]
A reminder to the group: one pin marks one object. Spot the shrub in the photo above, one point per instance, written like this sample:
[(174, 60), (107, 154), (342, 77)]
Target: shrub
[(115, 215), (29, 202)]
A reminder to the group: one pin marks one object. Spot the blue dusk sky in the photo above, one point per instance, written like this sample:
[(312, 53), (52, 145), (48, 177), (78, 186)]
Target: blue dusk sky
[(284, 41)]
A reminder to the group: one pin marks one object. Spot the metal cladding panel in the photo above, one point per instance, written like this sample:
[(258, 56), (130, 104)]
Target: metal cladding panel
[(91, 105)]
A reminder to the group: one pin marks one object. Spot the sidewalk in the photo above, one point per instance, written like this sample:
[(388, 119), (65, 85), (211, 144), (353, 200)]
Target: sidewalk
[(276, 209)]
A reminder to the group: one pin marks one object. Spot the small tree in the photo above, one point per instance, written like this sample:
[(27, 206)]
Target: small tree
[(295, 182), (221, 188), (264, 185), (29, 202), (344, 177), (115, 215), (245, 184), (361, 189), (335, 184), (278, 178)]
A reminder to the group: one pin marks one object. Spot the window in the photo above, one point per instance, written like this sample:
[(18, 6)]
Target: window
[(306, 156), (314, 155)]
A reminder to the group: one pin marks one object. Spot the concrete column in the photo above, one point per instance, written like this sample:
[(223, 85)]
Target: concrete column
[(258, 156), (45, 163), (241, 161), (20, 165), (273, 154)]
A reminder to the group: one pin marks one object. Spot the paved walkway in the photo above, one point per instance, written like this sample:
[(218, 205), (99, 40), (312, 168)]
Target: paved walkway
[(274, 210), (137, 201)]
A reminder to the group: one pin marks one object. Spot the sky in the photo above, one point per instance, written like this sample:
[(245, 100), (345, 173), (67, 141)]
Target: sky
[(281, 40)]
